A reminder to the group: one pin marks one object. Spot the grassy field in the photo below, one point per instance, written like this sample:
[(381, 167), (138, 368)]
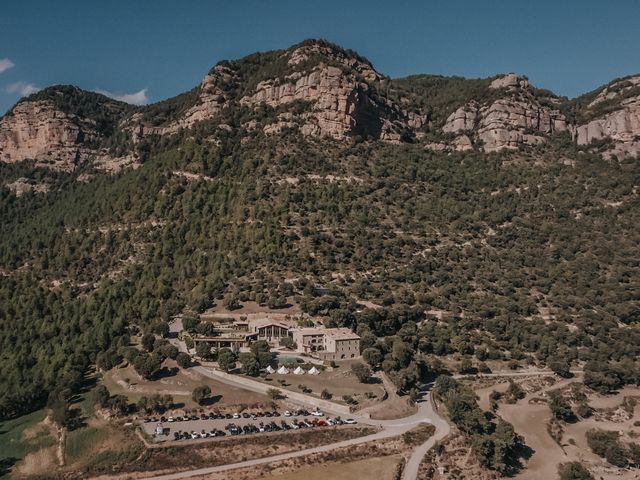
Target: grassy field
[(339, 381), (21, 437), (382, 468), (24, 435), (99, 446)]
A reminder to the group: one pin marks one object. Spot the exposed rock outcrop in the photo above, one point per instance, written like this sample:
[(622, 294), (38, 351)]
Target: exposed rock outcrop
[(620, 123), (515, 119), (320, 90), (37, 130), (337, 87)]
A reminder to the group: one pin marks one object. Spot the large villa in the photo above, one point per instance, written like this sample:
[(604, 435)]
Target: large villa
[(318, 341)]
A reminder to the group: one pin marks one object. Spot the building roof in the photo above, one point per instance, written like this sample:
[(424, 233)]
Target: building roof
[(225, 337), (334, 333), (265, 322), (311, 331), (342, 334)]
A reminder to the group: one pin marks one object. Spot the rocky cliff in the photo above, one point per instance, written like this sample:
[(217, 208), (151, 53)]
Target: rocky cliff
[(317, 89), (512, 117), (337, 87), (54, 129), (613, 116)]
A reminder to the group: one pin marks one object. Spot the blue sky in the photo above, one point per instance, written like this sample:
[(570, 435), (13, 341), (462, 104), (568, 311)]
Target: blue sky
[(151, 50)]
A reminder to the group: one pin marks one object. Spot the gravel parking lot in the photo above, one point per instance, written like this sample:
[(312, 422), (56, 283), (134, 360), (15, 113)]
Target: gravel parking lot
[(247, 423)]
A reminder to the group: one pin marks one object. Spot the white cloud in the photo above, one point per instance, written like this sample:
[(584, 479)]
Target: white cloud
[(137, 98), (5, 64), (23, 88)]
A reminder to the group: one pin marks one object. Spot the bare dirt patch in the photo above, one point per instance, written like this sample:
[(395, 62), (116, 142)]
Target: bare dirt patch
[(230, 450), (127, 382), (39, 462), (381, 468)]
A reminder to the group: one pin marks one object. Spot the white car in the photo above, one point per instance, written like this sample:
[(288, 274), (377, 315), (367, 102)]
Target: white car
[(330, 422), (194, 435), (350, 421), (236, 415), (170, 419), (287, 413), (317, 413)]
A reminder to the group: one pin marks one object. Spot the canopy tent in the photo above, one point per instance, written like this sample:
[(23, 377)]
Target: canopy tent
[(283, 370), (270, 369), (313, 371), (299, 371)]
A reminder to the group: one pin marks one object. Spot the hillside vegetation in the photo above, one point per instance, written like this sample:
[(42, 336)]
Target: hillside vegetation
[(528, 256)]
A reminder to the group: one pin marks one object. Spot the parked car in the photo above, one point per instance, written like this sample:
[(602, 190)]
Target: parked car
[(287, 413), (317, 413), (350, 421)]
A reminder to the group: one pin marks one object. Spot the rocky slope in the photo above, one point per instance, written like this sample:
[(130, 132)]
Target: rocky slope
[(54, 128), (336, 87), (512, 118), (320, 90), (614, 116)]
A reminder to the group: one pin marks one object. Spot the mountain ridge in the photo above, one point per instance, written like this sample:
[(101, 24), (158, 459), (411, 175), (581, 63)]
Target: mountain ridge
[(325, 91)]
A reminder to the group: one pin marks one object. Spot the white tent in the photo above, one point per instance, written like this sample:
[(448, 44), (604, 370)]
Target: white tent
[(299, 371), (313, 371), (270, 369), (283, 370)]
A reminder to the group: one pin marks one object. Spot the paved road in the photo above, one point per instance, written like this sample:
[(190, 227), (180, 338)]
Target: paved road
[(443, 429)]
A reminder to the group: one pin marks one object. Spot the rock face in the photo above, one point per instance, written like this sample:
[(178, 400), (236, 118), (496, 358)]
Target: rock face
[(212, 97), (39, 131), (513, 118), (316, 89), (61, 127), (336, 87), (620, 123)]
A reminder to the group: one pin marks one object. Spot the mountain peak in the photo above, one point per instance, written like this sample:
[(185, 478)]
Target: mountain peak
[(510, 81)]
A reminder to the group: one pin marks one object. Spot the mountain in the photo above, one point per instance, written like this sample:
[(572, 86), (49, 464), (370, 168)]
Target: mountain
[(321, 90), (59, 127), (293, 169)]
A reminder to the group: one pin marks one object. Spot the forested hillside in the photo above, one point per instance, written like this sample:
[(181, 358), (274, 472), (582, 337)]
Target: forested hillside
[(523, 255)]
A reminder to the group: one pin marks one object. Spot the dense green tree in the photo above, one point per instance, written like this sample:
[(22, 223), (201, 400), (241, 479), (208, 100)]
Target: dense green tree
[(574, 471), (201, 394)]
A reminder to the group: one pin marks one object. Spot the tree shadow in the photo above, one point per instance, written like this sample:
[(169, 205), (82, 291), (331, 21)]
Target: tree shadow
[(165, 372), (6, 464), (75, 419), (213, 399), (372, 381)]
